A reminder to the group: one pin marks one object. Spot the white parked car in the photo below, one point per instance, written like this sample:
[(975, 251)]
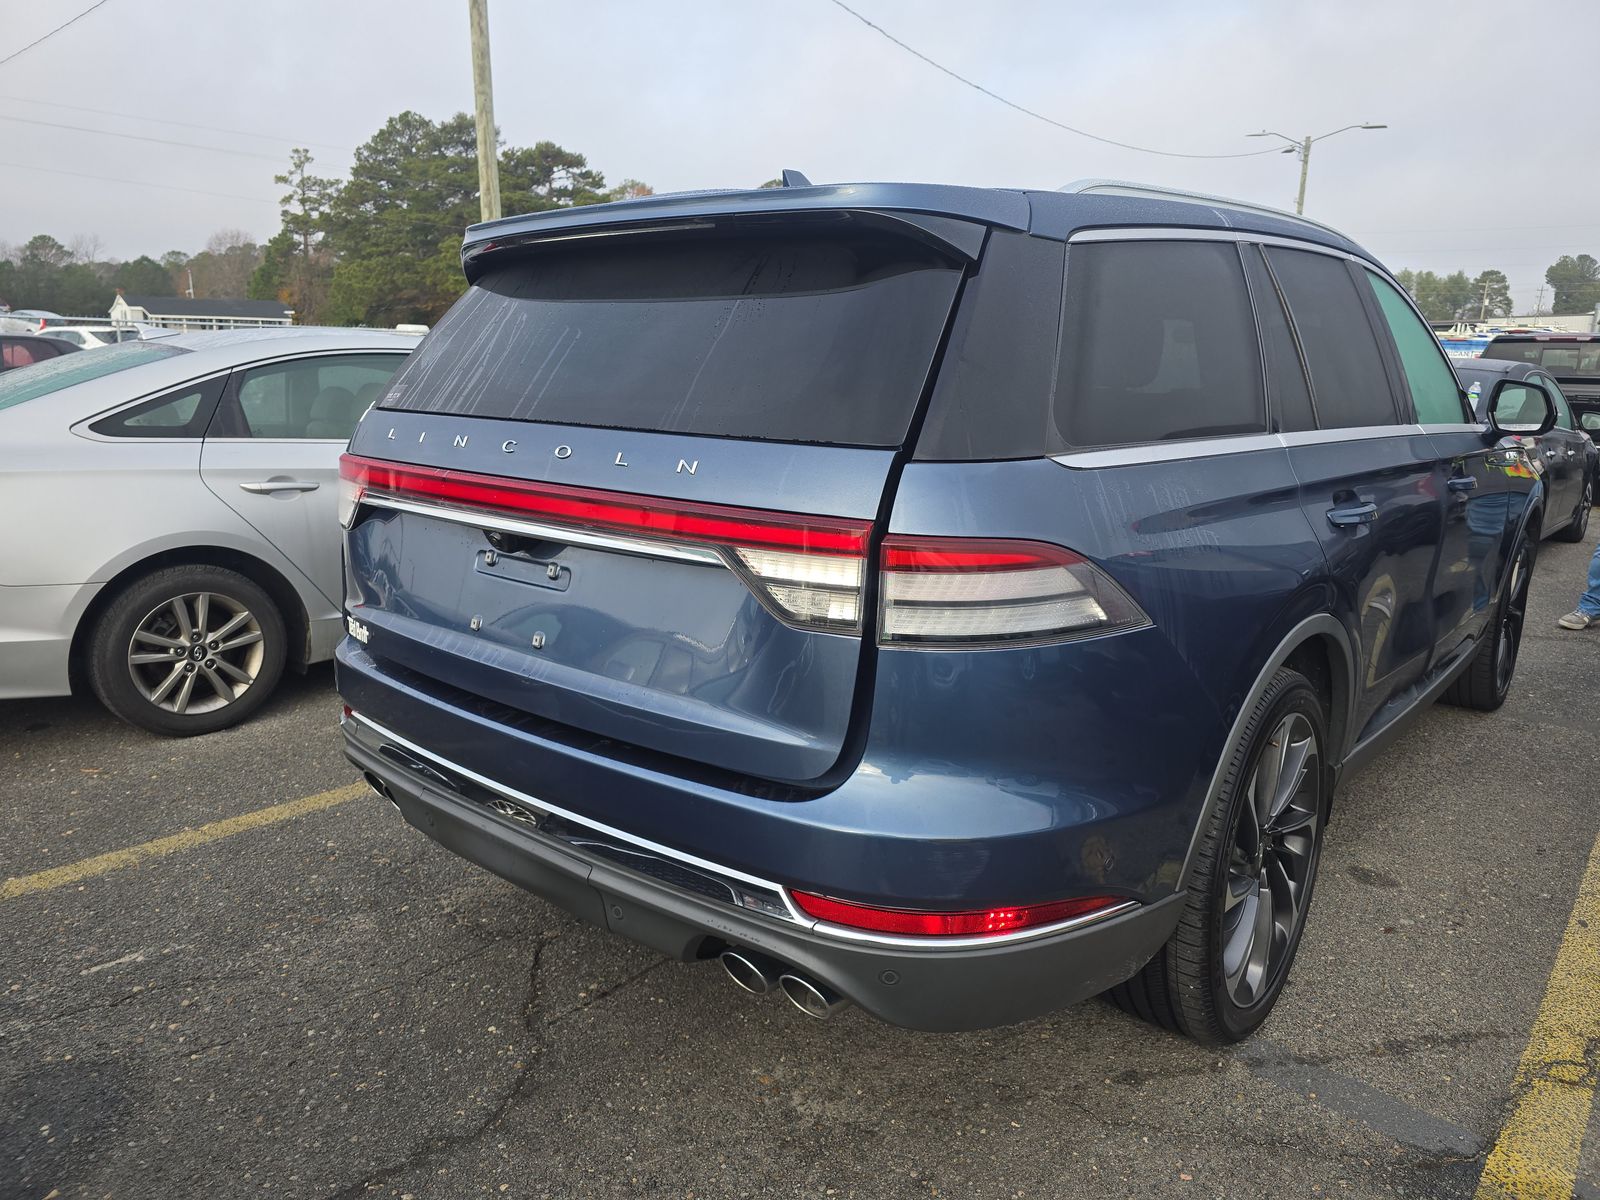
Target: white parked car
[(171, 531), (90, 336)]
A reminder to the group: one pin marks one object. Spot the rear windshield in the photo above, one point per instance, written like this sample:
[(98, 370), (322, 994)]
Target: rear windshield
[(1559, 358), (794, 338), (52, 375)]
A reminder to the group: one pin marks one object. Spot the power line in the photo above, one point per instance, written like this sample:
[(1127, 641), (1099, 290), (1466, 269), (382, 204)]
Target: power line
[(139, 137), (1094, 137), (107, 112), (52, 33), (138, 183)]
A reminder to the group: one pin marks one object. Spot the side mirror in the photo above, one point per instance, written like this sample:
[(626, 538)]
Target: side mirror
[(1589, 422), (1521, 409)]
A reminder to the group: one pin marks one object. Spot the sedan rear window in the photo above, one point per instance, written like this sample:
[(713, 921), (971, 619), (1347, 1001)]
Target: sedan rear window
[(784, 338), (69, 369)]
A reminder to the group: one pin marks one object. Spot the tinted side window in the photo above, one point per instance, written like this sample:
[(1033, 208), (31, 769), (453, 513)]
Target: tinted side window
[(314, 398), (1158, 342), (1348, 383), (182, 412), (1435, 393), (1287, 393)]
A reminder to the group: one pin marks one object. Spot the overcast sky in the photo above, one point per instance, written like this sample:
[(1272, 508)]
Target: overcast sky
[(1489, 161)]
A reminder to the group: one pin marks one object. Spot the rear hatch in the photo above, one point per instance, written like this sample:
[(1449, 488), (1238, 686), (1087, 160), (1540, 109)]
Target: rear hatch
[(628, 483)]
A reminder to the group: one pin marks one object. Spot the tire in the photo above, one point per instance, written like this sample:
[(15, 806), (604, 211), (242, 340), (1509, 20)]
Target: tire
[(1214, 981), (1486, 683), (212, 684), (1577, 528)]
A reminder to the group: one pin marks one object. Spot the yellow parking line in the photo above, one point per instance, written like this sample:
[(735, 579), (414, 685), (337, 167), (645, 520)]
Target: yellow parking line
[(1536, 1155), (115, 860)]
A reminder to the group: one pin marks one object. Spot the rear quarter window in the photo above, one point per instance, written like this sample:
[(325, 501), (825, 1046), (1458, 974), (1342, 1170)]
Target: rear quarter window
[(1158, 343)]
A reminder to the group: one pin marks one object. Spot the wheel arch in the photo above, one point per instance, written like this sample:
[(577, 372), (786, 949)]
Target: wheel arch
[(1319, 648), (263, 574)]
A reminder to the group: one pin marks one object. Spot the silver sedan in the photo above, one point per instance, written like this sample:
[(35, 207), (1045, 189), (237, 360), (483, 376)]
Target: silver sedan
[(170, 537)]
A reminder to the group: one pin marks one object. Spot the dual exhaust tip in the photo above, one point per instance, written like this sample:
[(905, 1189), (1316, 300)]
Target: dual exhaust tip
[(759, 975)]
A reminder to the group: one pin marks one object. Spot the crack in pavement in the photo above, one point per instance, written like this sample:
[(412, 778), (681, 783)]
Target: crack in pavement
[(533, 1024)]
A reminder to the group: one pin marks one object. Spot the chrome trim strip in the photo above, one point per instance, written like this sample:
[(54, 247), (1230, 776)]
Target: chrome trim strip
[(1154, 452), (1362, 433), (1123, 456), (1128, 187), (480, 518), (1187, 233), (1455, 429), (542, 807), (845, 933), (825, 928)]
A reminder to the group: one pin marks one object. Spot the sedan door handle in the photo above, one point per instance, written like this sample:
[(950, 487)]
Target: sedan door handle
[(280, 485), (1549, 453), (1463, 483), (1361, 514)]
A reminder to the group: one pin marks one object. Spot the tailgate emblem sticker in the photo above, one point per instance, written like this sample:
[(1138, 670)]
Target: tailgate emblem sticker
[(458, 441)]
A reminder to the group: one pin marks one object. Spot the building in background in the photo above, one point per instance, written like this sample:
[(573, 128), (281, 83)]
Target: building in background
[(181, 312)]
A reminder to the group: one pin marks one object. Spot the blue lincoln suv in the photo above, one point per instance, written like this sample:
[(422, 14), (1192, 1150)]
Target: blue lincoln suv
[(954, 602)]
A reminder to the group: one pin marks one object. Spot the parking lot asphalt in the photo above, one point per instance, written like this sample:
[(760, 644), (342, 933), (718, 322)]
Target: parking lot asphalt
[(329, 1005)]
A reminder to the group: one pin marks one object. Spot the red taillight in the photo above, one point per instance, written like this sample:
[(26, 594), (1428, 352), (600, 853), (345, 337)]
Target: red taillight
[(810, 568), (966, 592), (973, 923)]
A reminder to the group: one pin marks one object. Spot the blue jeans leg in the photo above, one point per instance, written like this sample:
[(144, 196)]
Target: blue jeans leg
[(1589, 604)]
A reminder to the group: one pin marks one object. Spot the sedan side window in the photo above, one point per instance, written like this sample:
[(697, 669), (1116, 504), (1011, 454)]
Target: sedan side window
[(312, 398), (1435, 392)]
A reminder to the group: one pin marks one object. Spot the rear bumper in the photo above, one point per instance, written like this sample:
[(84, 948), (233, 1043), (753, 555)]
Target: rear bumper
[(935, 988)]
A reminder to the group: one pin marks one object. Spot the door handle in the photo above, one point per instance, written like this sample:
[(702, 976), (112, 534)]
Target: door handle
[(1463, 483), (1361, 514), (280, 485), (1549, 453)]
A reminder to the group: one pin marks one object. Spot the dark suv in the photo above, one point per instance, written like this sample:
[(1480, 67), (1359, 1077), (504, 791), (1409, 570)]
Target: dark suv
[(956, 602)]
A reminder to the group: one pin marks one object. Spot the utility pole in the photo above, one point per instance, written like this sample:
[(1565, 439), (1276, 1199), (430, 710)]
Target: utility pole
[(1305, 169), (483, 103), (1302, 147), (1538, 301), (1483, 308)]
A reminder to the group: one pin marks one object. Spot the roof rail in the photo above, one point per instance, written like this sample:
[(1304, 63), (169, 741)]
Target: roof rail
[(1123, 187)]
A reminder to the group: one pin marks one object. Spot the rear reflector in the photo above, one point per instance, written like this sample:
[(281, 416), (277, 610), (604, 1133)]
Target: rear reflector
[(973, 923), (968, 592), (809, 569)]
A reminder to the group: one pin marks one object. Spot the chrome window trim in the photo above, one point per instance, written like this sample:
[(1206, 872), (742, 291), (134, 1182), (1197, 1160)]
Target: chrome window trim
[(1181, 233), (1155, 452), (1355, 433), (480, 518), (796, 917), (1455, 428)]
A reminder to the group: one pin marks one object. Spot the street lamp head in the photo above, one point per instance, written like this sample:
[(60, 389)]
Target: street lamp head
[(1374, 127)]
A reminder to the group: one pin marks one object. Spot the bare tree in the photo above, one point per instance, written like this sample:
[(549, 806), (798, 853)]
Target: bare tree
[(85, 247)]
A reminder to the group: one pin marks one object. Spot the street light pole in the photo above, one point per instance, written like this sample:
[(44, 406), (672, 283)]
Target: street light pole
[(1302, 147), (483, 103)]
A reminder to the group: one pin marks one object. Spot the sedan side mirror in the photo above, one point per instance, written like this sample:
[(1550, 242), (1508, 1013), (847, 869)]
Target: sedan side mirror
[(1589, 422), (1521, 409)]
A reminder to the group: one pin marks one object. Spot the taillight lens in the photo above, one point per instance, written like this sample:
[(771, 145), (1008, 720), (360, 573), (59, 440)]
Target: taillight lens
[(968, 592), (969, 923), (350, 490), (809, 569)]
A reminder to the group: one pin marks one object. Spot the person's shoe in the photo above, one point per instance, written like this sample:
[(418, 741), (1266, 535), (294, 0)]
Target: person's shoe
[(1577, 619)]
